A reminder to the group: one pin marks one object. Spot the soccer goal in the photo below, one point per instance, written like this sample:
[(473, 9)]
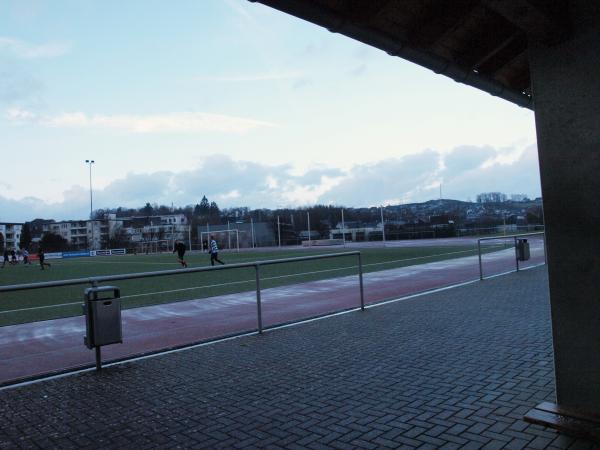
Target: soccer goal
[(226, 239), (158, 246)]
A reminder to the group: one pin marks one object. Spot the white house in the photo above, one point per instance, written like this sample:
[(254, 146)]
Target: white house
[(11, 234)]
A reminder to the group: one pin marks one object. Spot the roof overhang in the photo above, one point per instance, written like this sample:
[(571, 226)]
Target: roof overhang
[(481, 43)]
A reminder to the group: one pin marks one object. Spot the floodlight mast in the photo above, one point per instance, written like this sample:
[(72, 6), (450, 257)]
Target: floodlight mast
[(278, 231), (308, 226), (382, 227), (89, 162), (343, 228)]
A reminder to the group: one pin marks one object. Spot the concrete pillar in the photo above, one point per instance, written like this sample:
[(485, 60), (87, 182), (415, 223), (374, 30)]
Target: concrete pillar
[(566, 92)]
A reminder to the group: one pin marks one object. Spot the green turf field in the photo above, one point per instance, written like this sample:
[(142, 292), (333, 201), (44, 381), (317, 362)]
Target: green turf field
[(32, 305)]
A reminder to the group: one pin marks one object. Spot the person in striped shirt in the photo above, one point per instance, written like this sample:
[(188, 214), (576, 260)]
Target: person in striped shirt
[(214, 252)]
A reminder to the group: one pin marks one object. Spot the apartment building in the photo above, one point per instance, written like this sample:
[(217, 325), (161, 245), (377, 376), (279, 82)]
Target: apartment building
[(95, 234), (169, 228), (11, 235), (85, 234)]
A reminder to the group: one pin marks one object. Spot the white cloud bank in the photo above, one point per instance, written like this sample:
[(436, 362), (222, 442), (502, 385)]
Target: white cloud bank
[(464, 172), (25, 50), (176, 122)]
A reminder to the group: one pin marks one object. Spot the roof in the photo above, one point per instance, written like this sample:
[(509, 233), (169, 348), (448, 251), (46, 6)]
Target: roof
[(482, 43)]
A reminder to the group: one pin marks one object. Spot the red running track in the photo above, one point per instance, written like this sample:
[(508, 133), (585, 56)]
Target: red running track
[(39, 348)]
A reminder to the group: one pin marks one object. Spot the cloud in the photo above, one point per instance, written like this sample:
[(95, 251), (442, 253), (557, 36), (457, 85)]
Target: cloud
[(465, 158), (370, 184), (520, 175), (302, 83), (270, 76), (241, 10), (358, 70), (20, 115), (24, 50), (17, 86), (464, 172), (178, 122)]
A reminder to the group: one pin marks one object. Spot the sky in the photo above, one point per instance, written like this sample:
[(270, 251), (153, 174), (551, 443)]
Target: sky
[(236, 101)]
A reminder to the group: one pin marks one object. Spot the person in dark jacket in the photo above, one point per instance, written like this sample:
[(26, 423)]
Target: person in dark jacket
[(41, 257), (180, 249), (5, 258)]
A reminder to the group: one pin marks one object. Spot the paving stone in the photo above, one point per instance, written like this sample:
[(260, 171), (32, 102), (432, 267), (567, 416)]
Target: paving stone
[(451, 369)]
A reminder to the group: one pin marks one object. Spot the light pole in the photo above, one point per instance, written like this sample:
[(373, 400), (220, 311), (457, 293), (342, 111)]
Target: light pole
[(89, 162), (382, 227), (278, 231), (308, 226), (343, 228)]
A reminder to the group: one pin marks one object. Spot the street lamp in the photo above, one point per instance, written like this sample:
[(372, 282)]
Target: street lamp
[(89, 162)]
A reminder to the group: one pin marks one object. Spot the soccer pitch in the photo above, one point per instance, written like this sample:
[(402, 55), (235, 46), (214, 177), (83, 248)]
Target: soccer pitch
[(49, 303)]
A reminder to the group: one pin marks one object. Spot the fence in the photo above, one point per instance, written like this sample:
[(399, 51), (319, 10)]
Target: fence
[(512, 236), (94, 281), (498, 229)]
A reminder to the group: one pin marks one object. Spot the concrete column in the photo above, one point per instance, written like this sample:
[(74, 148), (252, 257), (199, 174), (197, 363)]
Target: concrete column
[(566, 92)]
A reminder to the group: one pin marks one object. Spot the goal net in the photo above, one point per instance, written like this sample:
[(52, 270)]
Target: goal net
[(226, 239), (158, 246)]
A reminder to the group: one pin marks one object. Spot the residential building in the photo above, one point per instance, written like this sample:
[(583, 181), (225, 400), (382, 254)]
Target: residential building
[(85, 234), (147, 229), (11, 234), (357, 233)]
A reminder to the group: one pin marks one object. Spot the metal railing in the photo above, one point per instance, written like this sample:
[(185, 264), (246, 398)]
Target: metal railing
[(94, 281), (513, 236)]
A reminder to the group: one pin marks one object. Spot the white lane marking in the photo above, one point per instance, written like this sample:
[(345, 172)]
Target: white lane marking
[(129, 262)]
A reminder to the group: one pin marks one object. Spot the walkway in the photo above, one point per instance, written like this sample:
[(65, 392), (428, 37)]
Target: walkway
[(451, 369)]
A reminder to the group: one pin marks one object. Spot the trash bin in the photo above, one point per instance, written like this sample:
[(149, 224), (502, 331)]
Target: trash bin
[(522, 249), (102, 311)]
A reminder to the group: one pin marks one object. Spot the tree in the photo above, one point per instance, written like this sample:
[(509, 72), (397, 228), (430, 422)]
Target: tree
[(214, 213), (163, 210), (148, 210), (119, 239), (204, 207), (25, 240), (53, 243)]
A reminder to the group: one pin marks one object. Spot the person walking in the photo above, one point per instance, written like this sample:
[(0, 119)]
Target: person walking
[(41, 257), (25, 255), (13, 257), (5, 258), (214, 252), (180, 249)]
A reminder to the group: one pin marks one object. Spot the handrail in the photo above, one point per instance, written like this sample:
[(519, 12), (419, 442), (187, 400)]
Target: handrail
[(256, 265), (508, 236), (159, 273)]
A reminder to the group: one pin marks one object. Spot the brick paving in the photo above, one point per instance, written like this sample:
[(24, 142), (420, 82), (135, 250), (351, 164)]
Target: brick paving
[(452, 369)]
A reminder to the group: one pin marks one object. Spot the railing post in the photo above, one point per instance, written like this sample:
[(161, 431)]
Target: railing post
[(98, 358), (258, 303), (360, 280), (479, 254), (516, 254), (97, 351)]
